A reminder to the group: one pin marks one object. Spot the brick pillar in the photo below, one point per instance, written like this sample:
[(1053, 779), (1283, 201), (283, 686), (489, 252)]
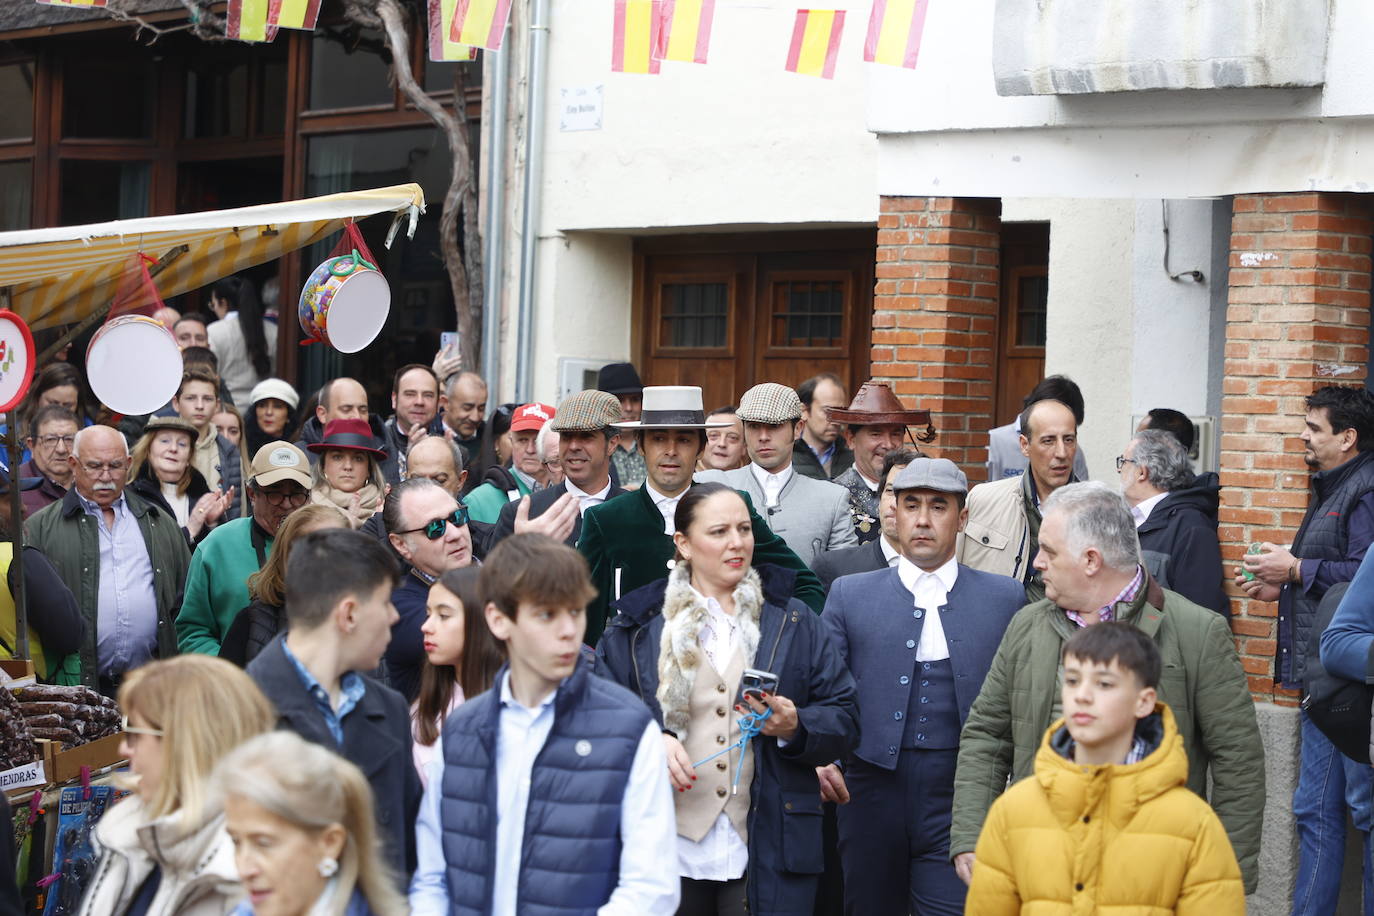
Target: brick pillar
[(935, 316), (1297, 319)]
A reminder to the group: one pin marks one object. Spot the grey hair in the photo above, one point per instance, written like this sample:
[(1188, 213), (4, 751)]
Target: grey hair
[(541, 441), (1096, 516), (455, 451), (76, 442), (1163, 459), (452, 381)]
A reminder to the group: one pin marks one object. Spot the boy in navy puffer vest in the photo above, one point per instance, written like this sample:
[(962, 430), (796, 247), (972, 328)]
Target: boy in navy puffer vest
[(550, 796)]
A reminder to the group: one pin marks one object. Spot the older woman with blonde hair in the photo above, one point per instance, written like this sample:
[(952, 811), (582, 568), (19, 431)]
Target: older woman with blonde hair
[(160, 470), (164, 850), (304, 831)]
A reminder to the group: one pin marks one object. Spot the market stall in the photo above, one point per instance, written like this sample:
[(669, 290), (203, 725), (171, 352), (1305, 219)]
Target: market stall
[(59, 746)]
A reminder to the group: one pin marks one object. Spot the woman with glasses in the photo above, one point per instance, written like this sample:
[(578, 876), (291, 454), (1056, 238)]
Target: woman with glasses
[(461, 658), (164, 850), (348, 475), (305, 839), (160, 471), (257, 624)]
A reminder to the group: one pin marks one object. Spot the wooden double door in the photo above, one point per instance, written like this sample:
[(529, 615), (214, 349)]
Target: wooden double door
[(727, 312)]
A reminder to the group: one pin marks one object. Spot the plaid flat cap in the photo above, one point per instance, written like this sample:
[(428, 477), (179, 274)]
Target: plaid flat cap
[(585, 412), (769, 403)]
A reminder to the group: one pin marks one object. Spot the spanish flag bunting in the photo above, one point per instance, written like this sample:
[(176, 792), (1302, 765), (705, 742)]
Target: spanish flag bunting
[(73, 2), (816, 43), (440, 48), (293, 14), (246, 20), (685, 30), (636, 36), (894, 32), (480, 23)]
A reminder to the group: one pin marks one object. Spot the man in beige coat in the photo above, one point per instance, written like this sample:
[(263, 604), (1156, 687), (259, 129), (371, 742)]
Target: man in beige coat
[(1003, 530)]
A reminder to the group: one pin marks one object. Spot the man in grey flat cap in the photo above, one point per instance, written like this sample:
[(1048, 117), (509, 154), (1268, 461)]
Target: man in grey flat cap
[(812, 516), (895, 628)]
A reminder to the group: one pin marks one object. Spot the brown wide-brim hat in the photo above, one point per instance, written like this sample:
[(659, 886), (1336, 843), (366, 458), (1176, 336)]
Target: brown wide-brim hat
[(876, 405)]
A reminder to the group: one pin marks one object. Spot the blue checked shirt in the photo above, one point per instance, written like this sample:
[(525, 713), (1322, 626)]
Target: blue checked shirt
[(351, 689)]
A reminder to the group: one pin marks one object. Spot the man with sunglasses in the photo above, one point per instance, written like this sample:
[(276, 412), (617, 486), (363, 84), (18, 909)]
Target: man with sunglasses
[(428, 529), (217, 584), (123, 558)]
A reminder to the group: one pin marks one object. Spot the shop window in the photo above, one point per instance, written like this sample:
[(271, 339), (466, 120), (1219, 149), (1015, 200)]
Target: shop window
[(94, 191), (217, 97), (16, 88), (695, 314), (349, 68), (271, 98), (1032, 305), (438, 75), (16, 195), (97, 106)]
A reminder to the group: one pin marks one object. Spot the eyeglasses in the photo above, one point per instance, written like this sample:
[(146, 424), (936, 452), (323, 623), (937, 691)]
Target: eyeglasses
[(128, 729), (553, 464), (1121, 461), (435, 527), (297, 497), (50, 442), (112, 467)]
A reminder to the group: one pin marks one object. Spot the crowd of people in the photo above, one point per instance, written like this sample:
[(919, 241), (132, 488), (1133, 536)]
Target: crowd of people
[(626, 655)]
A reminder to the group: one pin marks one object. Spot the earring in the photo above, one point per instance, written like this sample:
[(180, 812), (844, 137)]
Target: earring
[(328, 867)]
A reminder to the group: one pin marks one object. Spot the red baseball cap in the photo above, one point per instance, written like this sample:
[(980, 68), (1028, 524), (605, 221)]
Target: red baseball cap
[(531, 417)]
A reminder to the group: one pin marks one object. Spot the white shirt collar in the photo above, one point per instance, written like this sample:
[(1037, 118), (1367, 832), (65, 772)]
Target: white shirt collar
[(666, 505), (871, 484), (580, 493), (1141, 511), (890, 553), (508, 699), (909, 573), (780, 477)]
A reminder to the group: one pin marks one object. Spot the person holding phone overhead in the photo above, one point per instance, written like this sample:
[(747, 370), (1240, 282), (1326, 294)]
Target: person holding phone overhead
[(743, 776)]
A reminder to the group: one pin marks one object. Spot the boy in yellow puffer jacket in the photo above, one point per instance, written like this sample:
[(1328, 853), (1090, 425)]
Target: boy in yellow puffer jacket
[(1106, 824)]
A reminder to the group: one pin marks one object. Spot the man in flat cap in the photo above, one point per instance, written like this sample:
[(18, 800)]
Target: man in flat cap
[(812, 516), (621, 380), (586, 438), (628, 541), (875, 423), (895, 628)]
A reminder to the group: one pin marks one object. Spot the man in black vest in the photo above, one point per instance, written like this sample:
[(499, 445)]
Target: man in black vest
[(1331, 542)]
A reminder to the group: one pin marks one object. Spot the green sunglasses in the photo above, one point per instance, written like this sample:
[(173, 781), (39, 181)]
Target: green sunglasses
[(435, 527)]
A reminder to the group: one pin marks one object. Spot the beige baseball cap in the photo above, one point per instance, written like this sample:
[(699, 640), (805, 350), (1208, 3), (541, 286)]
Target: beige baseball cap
[(278, 461)]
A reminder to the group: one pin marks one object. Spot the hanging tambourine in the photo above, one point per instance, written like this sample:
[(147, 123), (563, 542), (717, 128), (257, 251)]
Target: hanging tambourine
[(346, 300), (133, 363), (17, 357)]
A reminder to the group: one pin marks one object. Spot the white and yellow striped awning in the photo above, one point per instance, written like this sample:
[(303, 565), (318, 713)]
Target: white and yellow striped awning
[(62, 275)]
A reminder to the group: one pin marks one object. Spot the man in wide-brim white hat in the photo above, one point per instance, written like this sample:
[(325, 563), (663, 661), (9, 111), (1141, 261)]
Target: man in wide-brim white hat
[(628, 540)]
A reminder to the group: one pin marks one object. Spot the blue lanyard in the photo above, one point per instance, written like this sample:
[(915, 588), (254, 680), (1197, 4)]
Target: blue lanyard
[(750, 724)]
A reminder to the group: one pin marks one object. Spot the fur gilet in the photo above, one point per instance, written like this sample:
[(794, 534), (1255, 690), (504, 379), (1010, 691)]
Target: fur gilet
[(680, 655)]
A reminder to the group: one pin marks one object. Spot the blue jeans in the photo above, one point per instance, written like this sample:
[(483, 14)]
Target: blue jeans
[(1328, 783)]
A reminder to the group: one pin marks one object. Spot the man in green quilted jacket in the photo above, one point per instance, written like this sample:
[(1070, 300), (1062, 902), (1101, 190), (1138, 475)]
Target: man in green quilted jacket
[(1089, 560)]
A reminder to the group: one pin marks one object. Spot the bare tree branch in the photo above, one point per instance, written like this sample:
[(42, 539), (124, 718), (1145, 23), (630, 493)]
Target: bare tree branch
[(393, 19), (141, 25)]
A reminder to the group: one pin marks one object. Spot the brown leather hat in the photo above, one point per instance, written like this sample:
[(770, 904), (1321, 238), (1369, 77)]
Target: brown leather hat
[(875, 405)]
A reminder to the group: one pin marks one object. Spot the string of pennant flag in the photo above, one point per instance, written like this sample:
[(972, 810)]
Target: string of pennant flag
[(646, 32)]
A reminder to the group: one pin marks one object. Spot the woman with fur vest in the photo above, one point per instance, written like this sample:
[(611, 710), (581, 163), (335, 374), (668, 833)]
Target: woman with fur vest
[(749, 822)]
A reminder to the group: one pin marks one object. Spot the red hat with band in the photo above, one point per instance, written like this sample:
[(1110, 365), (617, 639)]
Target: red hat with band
[(349, 435)]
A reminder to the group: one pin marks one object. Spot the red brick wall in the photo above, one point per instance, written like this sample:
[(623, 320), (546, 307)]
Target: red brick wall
[(1297, 319), (935, 316)]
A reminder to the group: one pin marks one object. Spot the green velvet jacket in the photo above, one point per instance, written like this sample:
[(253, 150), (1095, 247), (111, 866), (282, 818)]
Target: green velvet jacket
[(625, 534)]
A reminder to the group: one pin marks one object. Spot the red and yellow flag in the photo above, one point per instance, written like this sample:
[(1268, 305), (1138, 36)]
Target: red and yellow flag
[(74, 2), (636, 36), (440, 48), (816, 43), (685, 30), (894, 32), (480, 23), (293, 14), (246, 20)]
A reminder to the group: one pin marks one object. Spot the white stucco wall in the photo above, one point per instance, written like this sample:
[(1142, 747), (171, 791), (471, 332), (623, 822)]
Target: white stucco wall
[(1091, 267), (735, 144), (946, 131)]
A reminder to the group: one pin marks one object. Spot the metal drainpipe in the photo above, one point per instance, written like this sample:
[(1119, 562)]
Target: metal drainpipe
[(494, 258), (534, 175)]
